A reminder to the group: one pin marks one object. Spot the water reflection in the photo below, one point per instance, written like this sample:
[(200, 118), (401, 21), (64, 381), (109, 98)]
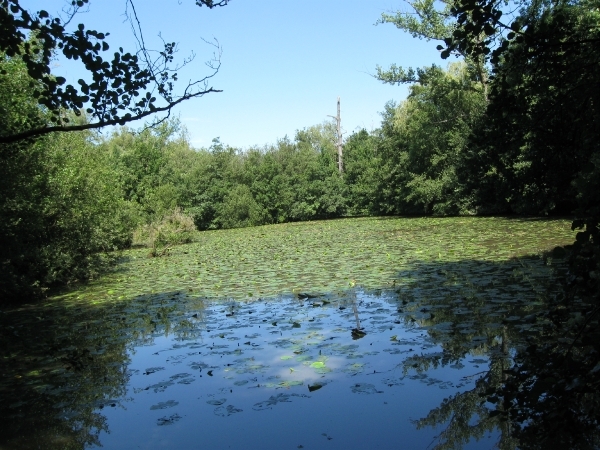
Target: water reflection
[(289, 374), (63, 364), (174, 371)]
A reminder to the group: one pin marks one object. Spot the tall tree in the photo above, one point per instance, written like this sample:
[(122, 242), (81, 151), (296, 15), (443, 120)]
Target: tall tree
[(61, 204), (541, 131), (430, 20)]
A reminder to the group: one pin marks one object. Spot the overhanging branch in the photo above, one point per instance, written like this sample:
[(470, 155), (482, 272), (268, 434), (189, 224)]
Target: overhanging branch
[(120, 91), (91, 126)]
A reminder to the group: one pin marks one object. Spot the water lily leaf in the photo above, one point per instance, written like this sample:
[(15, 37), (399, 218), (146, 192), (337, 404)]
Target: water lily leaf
[(165, 405), (354, 368), (364, 388), (358, 334), (168, 420), (226, 411), (285, 384), (274, 400), (153, 370)]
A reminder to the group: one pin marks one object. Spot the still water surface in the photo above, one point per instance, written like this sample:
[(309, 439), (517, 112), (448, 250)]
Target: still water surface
[(287, 374), (405, 367)]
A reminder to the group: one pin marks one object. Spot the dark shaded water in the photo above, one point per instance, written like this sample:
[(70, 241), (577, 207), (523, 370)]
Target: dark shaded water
[(410, 367)]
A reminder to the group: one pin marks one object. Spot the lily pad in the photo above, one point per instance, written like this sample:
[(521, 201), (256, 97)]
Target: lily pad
[(227, 411), (364, 388), (168, 420), (165, 405)]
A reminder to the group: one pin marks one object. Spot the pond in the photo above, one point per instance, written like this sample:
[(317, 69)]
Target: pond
[(368, 333)]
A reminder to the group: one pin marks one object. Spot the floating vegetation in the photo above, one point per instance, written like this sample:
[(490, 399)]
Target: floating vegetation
[(168, 420), (274, 400), (311, 258), (424, 327), (364, 388), (165, 405)]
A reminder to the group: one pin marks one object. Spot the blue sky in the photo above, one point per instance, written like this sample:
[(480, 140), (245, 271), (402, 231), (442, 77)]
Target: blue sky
[(284, 62)]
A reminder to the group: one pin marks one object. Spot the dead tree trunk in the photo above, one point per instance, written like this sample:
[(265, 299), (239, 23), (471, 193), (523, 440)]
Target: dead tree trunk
[(339, 143)]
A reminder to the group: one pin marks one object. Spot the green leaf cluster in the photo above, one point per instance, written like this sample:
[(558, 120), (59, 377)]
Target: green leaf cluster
[(117, 88), (62, 214)]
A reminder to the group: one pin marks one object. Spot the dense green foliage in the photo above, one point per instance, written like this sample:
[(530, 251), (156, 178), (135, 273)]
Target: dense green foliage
[(223, 187), (61, 210), (539, 137)]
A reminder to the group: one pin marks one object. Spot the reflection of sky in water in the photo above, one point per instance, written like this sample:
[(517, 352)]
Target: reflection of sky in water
[(251, 380)]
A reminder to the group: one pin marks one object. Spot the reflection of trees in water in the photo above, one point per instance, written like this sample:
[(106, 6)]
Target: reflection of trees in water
[(541, 387), (62, 363), (553, 388), (76, 356), (467, 415)]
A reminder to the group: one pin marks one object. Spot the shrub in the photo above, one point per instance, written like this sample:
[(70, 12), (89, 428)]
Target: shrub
[(172, 229), (239, 209)]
